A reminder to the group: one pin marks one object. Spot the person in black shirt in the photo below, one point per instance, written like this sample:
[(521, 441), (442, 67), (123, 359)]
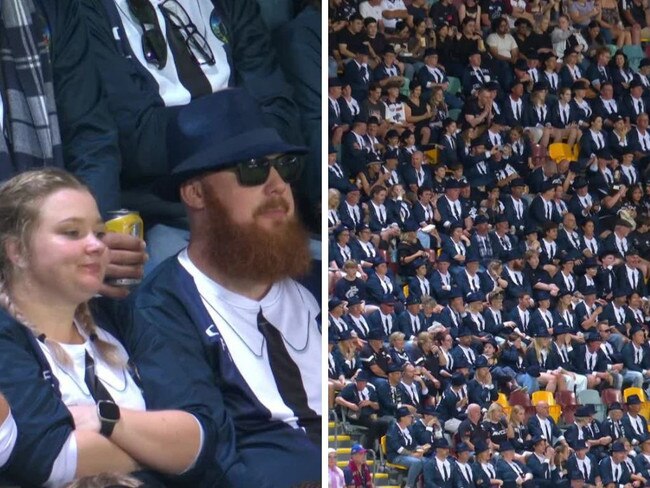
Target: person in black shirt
[(496, 426), (470, 430)]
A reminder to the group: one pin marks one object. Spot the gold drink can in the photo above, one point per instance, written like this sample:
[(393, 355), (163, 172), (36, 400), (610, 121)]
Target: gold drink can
[(125, 221)]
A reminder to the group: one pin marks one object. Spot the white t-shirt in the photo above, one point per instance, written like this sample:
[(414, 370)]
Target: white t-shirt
[(392, 5), (503, 44), (8, 434), (366, 10), (117, 381)]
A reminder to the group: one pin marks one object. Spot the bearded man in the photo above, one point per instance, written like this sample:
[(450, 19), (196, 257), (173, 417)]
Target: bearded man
[(243, 331)]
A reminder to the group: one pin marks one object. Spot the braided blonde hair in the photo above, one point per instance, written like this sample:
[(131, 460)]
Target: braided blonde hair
[(21, 198)]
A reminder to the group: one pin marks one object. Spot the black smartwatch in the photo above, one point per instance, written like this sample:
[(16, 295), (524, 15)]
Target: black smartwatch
[(109, 414)]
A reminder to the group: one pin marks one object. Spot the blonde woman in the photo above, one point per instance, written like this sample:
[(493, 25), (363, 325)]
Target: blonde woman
[(333, 201), (521, 436), (75, 401), (496, 426), (542, 354)]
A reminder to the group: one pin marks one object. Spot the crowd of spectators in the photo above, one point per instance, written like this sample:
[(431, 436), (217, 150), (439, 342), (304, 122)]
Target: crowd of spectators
[(489, 218)]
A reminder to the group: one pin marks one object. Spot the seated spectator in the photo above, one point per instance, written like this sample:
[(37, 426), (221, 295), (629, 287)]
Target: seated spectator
[(357, 472), (40, 207), (402, 448), (334, 473)]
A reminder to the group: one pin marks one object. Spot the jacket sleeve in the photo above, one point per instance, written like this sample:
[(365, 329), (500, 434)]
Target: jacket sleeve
[(175, 375), (44, 423), (88, 132)]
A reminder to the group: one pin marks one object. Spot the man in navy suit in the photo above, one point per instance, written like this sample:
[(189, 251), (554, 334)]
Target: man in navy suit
[(356, 74), (411, 321), (513, 473), (634, 425), (440, 471), (453, 405), (543, 425), (613, 469), (450, 207), (516, 207), (389, 395), (583, 464), (542, 209), (540, 465), (642, 460), (402, 448)]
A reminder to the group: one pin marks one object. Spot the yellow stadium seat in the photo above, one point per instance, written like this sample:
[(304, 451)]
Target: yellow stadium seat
[(634, 391), (405, 290), (543, 396), (388, 463), (559, 151), (432, 155)]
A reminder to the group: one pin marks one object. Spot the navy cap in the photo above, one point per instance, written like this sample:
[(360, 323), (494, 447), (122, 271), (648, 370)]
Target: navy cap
[(506, 446), (521, 65), (517, 182), (590, 262), (604, 153), (214, 133), (344, 335), (633, 400), (339, 230), (618, 447), (443, 258), (567, 258), (579, 183), (333, 303), (441, 443), (583, 411), (644, 62), (476, 296), (480, 219), (480, 446), (531, 229), (363, 375), (543, 295), (394, 368), (635, 328), (537, 439), (593, 337), (620, 292), (455, 293), (419, 262), (429, 410), (378, 261), (501, 218), (454, 226), (548, 185), (461, 447), (376, 335), (464, 331), (561, 329), (354, 300), (413, 299), (471, 257), (461, 362), (614, 406), (334, 82), (539, 86), (402, 412), (457, 379), (589, 290), (580, 444)]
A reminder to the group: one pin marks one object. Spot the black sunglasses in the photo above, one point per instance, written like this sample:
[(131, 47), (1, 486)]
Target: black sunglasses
[(154, 46), (195, 43), (255, 171)]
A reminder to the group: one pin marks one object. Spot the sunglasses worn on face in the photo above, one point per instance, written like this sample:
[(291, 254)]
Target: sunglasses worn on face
[(255, 171)]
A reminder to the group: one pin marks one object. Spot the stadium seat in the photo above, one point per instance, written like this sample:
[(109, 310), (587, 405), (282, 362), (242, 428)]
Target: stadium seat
[(432, 156), (567, 400), (592, 397), (405, 290), (382, 457), (454, 85), (542, 396), (611, 395), (454, 113), (634, 391), (634, 55), (559, 151), (503, 401)]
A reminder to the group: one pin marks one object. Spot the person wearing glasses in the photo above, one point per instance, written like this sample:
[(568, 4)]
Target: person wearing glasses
[(156, 56), (243, 330)]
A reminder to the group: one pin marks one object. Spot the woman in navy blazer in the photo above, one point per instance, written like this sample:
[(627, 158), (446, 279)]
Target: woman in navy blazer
[(564, 118)]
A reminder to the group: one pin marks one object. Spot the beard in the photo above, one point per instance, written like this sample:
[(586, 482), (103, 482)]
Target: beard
[(252, 252)]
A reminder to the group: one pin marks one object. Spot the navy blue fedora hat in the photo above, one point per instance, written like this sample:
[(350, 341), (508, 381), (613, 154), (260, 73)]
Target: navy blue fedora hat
[(214, 133)]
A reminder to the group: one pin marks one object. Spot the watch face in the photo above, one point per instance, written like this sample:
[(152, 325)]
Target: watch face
[(109, 411)]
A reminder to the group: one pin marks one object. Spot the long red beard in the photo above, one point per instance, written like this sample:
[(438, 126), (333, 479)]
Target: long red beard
[(253, 252)]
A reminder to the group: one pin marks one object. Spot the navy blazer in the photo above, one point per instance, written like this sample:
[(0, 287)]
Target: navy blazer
[(511, 213), (436, 281), (535, 428), (396, 443), (623, 282), (628, 107), (480, 394), (605, 468), (390, 398), (405, 325), (411, 178), (433, 478), (594, 472), (447, 217), (447, 407), (556, 118), (542, 473), (508, 475), (352, 76), (631, 432), (374, 290), (537, 214)]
